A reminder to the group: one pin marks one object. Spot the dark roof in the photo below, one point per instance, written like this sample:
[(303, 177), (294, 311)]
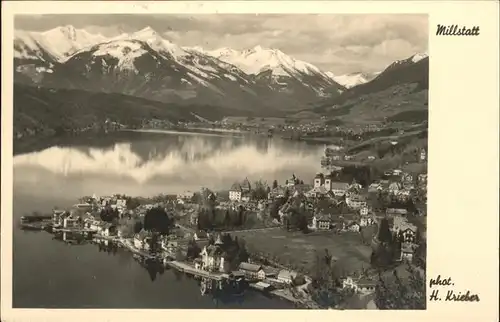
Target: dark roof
[(236, 187), (214, 250), (363, 282), (270, 270), (323, 217), (201, 234), (397, 210), (302, 187), (237, 273), (339, 185), (202, 243), (245, 185)]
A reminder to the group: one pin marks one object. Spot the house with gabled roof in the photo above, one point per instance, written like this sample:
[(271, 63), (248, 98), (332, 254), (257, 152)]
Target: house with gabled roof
[(316, 192), (339, 189), (407, 252), (107, 229), (214, 259), (286, 276), (406, 230), (278, 192), (356, 202), (322, 221), (69, 220), (319, 180), (142, 240), (240, 191), (252, 271), (235, 192)]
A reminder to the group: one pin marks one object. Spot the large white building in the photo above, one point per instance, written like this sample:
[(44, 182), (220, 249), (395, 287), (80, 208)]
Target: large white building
[(240, 191), (338, 188)]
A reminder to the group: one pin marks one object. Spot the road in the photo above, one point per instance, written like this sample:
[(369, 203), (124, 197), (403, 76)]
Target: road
[(250, 230), (306, 297), (191, 230)]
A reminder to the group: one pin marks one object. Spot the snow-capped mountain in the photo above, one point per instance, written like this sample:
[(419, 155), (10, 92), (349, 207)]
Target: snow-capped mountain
[(146, 64), (352, 79), (355, 79), (280, 71), (259, 59), (408, 61), (60, 42), (413, 70)]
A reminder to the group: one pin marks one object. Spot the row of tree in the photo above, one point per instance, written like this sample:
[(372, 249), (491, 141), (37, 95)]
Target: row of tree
[(209, 219)]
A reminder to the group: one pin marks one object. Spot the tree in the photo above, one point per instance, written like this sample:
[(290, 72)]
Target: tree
[(275, 207), (193, 249), (157, 219), (239, 218), (109, 214), (227, 219), (242, 253), (154, 242), (275, 184), (132, 203), (259, 192), (287, 193), (138, 226), (395, 293), (326, 273), (384, 233)]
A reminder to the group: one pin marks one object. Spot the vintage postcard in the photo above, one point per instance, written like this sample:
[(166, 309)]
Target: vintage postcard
[(234, 155)]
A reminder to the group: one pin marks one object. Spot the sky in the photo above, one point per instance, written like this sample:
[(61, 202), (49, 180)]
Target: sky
[(337, 43)]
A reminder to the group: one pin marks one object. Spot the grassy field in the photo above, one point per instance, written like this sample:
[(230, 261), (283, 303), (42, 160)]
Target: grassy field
[(300, 249)]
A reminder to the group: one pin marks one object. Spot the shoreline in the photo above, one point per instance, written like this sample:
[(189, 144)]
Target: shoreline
[(279, 293), (191, 132)]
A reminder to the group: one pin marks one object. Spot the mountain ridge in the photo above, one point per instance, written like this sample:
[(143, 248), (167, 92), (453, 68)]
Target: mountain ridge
[(198, 77)]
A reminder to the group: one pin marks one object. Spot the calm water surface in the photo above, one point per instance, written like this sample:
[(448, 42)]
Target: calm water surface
[(50, 273)]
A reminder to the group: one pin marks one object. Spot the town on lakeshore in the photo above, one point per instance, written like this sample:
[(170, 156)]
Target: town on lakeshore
[(245, 236), (266, 164)]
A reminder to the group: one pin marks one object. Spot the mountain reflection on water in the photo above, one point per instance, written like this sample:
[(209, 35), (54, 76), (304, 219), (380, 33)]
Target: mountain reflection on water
[(177, 160)]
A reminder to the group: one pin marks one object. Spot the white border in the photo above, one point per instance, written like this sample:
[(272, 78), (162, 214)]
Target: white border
[(463, 152)]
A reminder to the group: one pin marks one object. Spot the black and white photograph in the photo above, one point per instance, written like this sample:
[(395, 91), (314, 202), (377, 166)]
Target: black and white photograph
[(238, 161), (220, 161)]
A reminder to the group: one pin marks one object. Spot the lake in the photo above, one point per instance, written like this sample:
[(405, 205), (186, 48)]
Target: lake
[(51, 274)]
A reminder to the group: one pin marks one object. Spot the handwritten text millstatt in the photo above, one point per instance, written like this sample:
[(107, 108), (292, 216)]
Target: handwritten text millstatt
[(451, 295), (455, 30)]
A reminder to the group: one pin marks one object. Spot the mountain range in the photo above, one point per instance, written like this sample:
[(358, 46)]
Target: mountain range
[(145, 64)]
